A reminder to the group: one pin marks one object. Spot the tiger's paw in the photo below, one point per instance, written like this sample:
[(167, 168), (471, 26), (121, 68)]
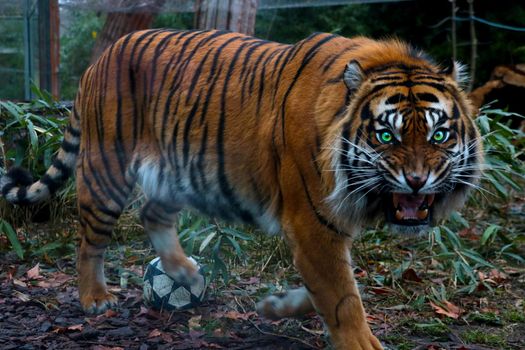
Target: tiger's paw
[(97, 303), (293, 303), (185, 271)]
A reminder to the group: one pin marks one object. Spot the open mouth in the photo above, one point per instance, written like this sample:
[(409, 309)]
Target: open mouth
[(409, 210)]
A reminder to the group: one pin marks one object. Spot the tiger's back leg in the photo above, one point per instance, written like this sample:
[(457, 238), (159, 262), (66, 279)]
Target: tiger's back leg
[(159, 220), (101, 199)]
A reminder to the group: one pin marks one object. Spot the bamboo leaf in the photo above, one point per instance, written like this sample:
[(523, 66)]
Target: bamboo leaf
[(206, 241), (13, 238)]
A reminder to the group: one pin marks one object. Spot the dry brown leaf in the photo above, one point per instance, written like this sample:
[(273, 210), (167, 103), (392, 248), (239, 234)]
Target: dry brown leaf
[(19, 283), (498, 276), (22, 296), (154, 333), (380, 290), (448, 309), (76, 327), (469, 233), (411, 275), (34, 272), (110, 313), (194, 322), (235, 315)]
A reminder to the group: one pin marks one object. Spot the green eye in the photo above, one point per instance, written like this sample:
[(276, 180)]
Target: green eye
[(384, 136), (440, 136)]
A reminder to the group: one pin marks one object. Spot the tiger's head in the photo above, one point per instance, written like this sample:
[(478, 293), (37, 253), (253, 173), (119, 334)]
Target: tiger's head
[(407, 147)]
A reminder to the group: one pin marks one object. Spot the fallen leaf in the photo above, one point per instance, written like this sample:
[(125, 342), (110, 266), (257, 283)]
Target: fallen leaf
[(76, 327), (380, 290), (55, 280), (154, 333), (34, 272), (22, 296), (19, 283), (371, 319), (194, 322), (312, 331), (448, 309), (235, 315), (411, 275), (252, 280), (469, 233), (498, 276), (110, 313)]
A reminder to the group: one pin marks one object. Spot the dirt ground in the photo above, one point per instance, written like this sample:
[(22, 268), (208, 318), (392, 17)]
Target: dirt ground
[(40, 310), (44, 313)]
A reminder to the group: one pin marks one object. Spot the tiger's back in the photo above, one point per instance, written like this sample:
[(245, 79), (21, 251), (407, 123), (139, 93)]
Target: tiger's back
[(198, 117)]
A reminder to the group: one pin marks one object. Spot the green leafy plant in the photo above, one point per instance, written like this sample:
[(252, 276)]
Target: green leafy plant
[(504, 151), (215, 241), (9, 231), (31, 133)]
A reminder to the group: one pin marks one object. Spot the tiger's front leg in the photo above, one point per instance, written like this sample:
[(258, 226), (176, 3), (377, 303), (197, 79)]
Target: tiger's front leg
[(322, 257)]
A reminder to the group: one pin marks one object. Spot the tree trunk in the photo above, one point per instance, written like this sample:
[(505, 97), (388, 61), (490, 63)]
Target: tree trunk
[(234, 15), (117, 25), (49, 46)]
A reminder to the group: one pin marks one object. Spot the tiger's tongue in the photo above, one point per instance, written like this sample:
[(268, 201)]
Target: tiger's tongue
[(410, 207)]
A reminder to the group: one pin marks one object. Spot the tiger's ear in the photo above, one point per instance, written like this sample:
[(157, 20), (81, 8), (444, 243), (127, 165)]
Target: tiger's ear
[(457, 71), (353, 75)]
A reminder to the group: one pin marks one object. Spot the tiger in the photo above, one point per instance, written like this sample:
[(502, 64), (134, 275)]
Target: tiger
[(313, 140)]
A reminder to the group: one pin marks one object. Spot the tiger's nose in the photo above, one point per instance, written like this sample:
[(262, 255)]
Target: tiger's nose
[(416, 181)]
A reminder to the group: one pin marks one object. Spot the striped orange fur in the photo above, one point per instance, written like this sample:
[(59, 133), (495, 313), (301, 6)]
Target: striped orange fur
[(313, 140)]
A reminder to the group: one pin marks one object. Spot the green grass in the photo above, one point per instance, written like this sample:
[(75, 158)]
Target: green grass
[(481, 336), (514, 316), (488, 318)]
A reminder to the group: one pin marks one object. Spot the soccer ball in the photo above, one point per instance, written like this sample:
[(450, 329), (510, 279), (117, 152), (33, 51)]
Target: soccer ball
[(162, 292)]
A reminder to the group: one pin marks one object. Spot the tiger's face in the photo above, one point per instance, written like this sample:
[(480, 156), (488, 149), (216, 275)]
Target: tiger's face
[(410, 150)]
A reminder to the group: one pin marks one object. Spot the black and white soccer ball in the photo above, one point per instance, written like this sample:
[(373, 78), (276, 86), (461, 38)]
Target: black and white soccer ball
[(161, 292)]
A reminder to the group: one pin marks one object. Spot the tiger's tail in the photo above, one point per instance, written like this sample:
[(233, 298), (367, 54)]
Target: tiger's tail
[(17, 185)]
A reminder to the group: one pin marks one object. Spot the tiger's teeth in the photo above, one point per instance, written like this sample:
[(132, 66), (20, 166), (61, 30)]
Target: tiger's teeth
[(430, 199), (399, 215), (395, 200), (422, 214)]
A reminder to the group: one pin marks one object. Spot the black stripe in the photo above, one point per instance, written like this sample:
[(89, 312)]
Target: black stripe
[(258, 61), (339, 304), (396, 98), (310, 54), (132, 73), (70, 147), (105, 187), (244, 74), (21, 195), (74, 132), (120, 151), (196, 76), (91, 243), (186, 134), (200, 157), (101, 128), (64, 169), (51, 183), (224, 184), (94, 215), (427, 97), (97, 230), (321, 219)]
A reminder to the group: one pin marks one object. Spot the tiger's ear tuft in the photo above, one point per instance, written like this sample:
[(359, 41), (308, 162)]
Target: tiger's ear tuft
[(458, 72), (353, 75)]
